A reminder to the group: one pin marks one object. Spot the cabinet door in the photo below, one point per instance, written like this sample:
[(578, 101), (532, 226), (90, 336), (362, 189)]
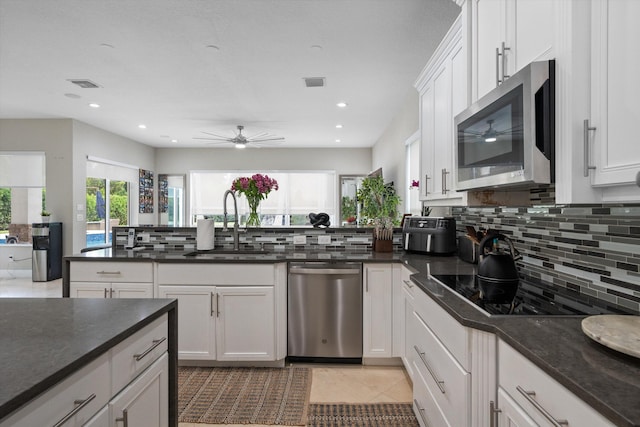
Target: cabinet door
[(101, 419), (196, 320), (488, 22), (132, 290), (245, 326), (427, 142), (377, 301), (615, 91), (89, 290), (144, 402), (530, 32), (443, 124), (511, 414)]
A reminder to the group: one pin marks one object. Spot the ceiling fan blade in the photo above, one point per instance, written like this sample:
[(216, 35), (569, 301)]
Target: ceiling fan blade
[(258, 135), (213, 139), (216, 135), (268, 139)]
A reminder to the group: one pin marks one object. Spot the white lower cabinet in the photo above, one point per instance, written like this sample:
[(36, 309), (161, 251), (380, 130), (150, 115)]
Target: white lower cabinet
[(377, 305), (112, 390), (143, 403), (228, 312), (528, 396), (89, 279)]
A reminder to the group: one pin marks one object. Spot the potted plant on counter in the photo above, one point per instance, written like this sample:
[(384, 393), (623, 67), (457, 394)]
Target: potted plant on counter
[(379, 208), (45, 216)]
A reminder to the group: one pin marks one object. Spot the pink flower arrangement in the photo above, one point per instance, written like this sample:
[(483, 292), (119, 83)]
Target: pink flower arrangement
[(415, 184), (255, 189)]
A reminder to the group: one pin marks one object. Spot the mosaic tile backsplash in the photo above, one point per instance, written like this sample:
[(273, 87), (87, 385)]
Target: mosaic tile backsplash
[(592, 249), (269, 239)]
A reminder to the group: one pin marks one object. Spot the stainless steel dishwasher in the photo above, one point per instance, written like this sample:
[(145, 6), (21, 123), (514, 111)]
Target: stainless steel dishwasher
[(325, 311)]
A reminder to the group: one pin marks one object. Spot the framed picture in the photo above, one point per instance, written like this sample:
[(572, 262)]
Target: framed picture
[(145, 191)]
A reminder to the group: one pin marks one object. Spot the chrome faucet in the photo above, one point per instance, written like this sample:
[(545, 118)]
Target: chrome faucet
[(236, 237)]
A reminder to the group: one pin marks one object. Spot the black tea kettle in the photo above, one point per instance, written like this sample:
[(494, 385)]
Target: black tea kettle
[(497, 272)]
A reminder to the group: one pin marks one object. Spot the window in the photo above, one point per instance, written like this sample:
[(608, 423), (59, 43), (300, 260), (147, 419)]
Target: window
[(299, 194), (22, 194), (108, 192)]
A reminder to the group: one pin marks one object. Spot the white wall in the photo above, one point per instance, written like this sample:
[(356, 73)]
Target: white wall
[(389, 151)]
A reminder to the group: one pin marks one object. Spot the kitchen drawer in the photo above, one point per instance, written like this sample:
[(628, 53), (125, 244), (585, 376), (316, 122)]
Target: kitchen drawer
[(453, 335), (218, 274), (89, 385), (446, 379), (139, 351), (90, 271), (425, 407), (518, 376)]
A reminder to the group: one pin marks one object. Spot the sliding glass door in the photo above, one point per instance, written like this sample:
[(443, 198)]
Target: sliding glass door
[(107, 203)]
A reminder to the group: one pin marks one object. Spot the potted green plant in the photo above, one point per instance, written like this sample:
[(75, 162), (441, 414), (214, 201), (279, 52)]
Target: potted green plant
[(45, 216), (379, 208)]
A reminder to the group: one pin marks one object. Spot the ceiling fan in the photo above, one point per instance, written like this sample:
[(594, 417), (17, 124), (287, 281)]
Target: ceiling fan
[(240, 141), (491, 134)]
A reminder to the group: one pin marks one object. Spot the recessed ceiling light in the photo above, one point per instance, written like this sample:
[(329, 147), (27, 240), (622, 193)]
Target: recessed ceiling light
[(141, 126), (337, 140), (338, 126), (342, 104), (94, 105), (174, 140)]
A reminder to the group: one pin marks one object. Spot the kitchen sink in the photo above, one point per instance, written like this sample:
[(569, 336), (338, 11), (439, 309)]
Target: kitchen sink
[(228, 252)]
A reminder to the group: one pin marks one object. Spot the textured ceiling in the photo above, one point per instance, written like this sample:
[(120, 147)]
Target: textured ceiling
[(155, 64)]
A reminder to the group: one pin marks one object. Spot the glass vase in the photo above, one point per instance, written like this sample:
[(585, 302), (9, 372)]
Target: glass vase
[(254, 219)]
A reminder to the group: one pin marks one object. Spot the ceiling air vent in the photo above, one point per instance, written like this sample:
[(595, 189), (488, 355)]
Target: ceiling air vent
[(314, 81), (84, 83)]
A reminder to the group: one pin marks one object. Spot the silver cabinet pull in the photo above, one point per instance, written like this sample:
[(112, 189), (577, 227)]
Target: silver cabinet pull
[(421, 412), (493, 413), (111, 293), (586, 128), (105, 292), (439, 383), (408, 283), (217, 305), (426, 184), (366, 280), (529, 395), (154, 344), (504, 75), (124, 418), (81, 404), (498, 81), (108, 272), (211, 302), (444, 181)]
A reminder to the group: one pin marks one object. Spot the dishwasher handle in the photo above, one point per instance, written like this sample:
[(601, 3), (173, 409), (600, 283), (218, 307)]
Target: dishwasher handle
[(325, 271)]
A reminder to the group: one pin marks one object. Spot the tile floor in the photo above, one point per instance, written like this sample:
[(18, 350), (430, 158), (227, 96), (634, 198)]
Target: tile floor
[(330, 384)]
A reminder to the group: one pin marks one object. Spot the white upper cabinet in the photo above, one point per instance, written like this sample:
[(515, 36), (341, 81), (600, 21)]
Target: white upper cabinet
[(506, 36), (615, 91), (443, 94), (597, 89)]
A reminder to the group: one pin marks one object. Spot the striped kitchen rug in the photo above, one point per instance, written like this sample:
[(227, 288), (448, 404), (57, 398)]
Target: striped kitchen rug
[(269, 396), (361, 415)]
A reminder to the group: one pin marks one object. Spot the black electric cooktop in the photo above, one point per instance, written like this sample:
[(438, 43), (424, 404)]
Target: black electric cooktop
[(532, 298)]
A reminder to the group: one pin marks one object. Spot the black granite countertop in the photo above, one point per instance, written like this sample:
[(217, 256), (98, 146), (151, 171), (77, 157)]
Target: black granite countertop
[(44, 340), (606, 380)]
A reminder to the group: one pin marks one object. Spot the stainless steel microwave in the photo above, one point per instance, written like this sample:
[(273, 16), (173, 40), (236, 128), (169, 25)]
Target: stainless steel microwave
[(507, 138)]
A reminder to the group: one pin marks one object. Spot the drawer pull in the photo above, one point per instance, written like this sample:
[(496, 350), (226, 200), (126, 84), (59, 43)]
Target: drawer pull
[(81, 404), (439, 383), (421, 412), (408, 283), (154, 344), (211, 301), (108, 272), (529, 395), (217, 305), (124, 418)]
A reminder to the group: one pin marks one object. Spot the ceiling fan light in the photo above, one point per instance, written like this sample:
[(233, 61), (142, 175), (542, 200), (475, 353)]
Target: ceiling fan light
[(491, 139), (240, 145)]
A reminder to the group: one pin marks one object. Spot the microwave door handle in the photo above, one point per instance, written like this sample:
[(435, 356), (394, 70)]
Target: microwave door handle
[(406, 242), (428, 249)]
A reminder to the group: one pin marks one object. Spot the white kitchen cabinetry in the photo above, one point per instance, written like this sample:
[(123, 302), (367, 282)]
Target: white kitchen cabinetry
[(408, 294), (615, 90), (377, 310), (401, 273), (228, 312), (506, 36), (131, 378), (528, 396), (111, 279), (443, 93)]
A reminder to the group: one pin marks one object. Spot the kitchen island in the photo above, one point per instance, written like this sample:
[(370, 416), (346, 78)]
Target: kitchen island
[(47, 343), (607, 381)]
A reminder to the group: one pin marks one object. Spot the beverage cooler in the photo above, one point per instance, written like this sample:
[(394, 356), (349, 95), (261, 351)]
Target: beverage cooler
[(47, 251)]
